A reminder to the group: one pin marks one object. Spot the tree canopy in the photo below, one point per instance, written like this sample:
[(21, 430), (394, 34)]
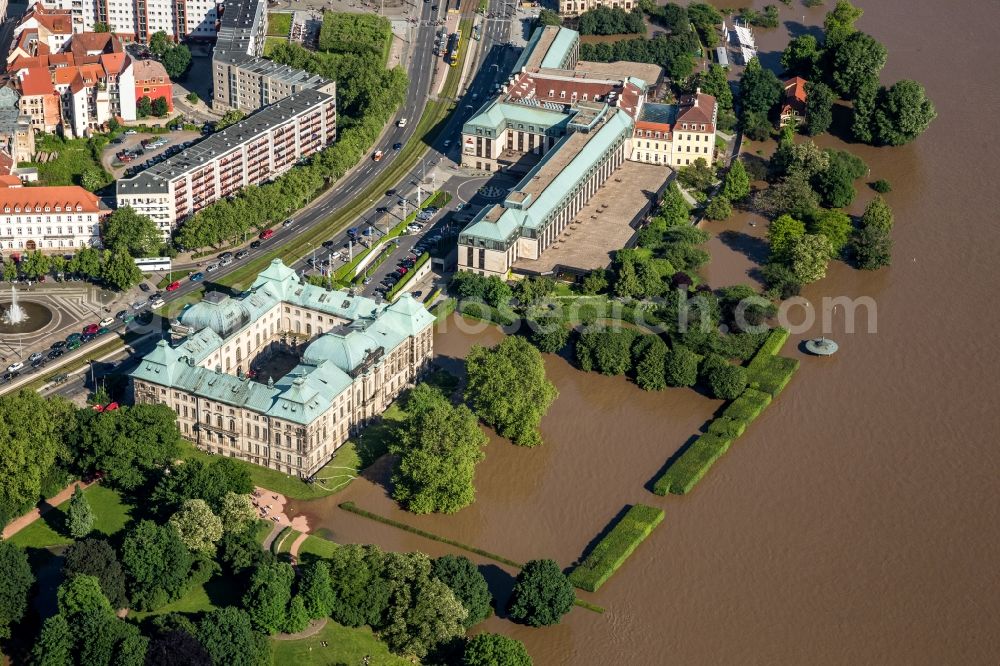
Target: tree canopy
[(901, 113), (158, 564), (96, 557), (17, 579), (198, 528), (508, 390), (228, 636), (438, 449), (542, 594), (80, 517), (495, 650), (468, 584)]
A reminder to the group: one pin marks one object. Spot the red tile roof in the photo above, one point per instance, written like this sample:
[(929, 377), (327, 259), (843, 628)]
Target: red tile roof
[(7, 180), (36, 81), (149, 70), (113, 63), (697, 108), (37, 198), (795, 88)]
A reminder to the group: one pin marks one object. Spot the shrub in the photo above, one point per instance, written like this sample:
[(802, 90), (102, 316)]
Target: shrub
[(881, 186), (728, 382), (693, 464), (612, 551), (771, 375), (726, 427), (747, 407), (775, 341)]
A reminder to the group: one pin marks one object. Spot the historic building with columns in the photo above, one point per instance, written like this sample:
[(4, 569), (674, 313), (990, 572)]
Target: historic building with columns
[(355, 356)]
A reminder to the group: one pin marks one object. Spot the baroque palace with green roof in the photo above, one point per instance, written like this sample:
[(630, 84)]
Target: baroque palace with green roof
[(355, 356)]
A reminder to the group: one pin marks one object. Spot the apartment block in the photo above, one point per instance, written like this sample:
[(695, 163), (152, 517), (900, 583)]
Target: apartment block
[(577, 7), (259, 148)]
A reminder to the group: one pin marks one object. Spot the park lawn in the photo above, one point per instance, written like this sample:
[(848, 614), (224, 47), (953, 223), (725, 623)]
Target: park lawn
[(279, 24), (75, 157), (195, 600), (111, 515), (318, 546), (264, 528), (270, 43), (344, 646)]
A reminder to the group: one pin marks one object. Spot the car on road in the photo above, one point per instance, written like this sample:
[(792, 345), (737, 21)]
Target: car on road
[(174, 286), (226, 262), (90, 329), (390, 193), (267, 233), (397, 146), (71, 338), (212, 268), (138, 305), (329, 243), (37, 363), (156, 303), (197, 277), (460, 206), (240, 255), (418, 294), (34, 357), (55, 353), (9, 376), (130, 132), (255, 244), (377, 157), (73, 345), (447, 142), (129, 317), (103, 330), (226, 255), (107, 321), (121, 314), (287, 223), (401, 123), (144, 287)]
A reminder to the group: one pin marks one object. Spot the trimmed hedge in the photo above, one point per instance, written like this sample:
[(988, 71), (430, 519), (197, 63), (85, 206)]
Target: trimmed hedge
[(726, 427), (775, 341), (612, 551), (693, 464), (444, 308), (748, 406), (772, 374), (486, 313)]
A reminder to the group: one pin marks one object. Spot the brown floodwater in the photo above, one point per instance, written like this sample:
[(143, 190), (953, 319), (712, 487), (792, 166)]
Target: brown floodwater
[(857, 520)]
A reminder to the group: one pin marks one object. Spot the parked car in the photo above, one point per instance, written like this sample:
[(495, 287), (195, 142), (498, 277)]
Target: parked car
[(156, 303), (130, 132), (90, 329), (197, 277), (75, 344), (129, 318), (240, 255), (87, 337), (138, 305), (10, 376), (255, 244), (174, 286), (37, 363), (103, 330), (55, 353), (267, 233), (71, 338), (212, 268), (226, 255), (121, 314), (107, 321), (14, 367)]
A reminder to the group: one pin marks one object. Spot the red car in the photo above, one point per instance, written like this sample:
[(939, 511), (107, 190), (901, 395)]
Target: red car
[(173, 286), (267, 233), (91, 329)]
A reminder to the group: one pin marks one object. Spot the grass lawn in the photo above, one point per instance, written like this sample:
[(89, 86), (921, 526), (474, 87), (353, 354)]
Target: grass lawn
[(216, 593), (279, 24), (75, 157), (271, 42), (110, 516), (344, 646), (314, 545)]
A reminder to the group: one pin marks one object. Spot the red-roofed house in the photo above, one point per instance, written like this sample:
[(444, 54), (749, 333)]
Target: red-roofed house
[(39, 99), (793, 109), (150, 80), (53, 27), (676, 134), (52, 219)]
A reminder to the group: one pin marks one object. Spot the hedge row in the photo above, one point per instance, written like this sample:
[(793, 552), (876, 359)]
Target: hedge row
[(772, 345), (772, 374), (612, 551), (487, 313), (693, 464)]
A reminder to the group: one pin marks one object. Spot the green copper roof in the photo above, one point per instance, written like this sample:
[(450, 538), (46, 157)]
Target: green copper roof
[(497, 114), (560, 48)]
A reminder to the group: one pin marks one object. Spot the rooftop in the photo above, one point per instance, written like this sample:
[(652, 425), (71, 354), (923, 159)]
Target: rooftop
[(37, 199)]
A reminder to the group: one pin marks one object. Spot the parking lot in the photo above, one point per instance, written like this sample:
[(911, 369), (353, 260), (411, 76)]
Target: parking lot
[(140, 155)]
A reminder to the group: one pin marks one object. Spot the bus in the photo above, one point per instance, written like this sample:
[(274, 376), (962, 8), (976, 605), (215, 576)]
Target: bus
[(153, 264), (454, 41)]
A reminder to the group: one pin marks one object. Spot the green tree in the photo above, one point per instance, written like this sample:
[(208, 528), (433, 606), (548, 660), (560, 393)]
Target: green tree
[(176, 647), (126, 444), (239, 551), (819, 108), (468, 585), (792, 195), (14, 587), (266, 600), (595, 282), (96, 557), (715, 83), (607, 350), (98, 636), (316, 589), (681, 366), (177, 60), (802, 57), (809, 257), (495, 650), (674, 209), (760, 89), (230, 117), (548, 17), (144, 107), (626, 281), (160, 107), (297, 618), (781, 281), (736, 185), (901, 113), (839, 22), (93, 178), (742, 307), (882, 186), (211, 481), (698, 176), (80, 517), (727, 382), (877, 214), (705, 18), (9, 271), (132, 232), (198, 528), (438, 449), (32, 438), (857, 61), (836, 226), (34, 264), (782, 234), (650, 354), (549, 333), (159, 43), (757, 126), (237, 513), (228, 636), (193, 97), (101, 26), (120, 271), (835, 186), (542, 594), (719, 209), (360, 593), (508, 390), (55, 645), (872, 248), (158, 565)]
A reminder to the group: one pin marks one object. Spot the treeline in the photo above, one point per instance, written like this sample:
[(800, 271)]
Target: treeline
[(673, 53), (844, 62), (611, 21), (367, 97)]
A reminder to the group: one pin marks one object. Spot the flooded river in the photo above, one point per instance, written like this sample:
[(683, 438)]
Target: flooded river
[(857, 520)]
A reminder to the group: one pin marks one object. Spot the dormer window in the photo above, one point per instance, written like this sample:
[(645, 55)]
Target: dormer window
[(47, 209), (685, 125), (552, 93), (562, 94)]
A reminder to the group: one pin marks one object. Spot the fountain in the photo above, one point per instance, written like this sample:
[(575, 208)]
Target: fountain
[(15, 313)]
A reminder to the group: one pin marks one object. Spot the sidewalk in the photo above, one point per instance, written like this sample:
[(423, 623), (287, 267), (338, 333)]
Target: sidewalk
[(19, 524)]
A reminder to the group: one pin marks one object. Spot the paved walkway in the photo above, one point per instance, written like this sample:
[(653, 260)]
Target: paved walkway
[(19, 524), (314, 628), (294, 549)]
